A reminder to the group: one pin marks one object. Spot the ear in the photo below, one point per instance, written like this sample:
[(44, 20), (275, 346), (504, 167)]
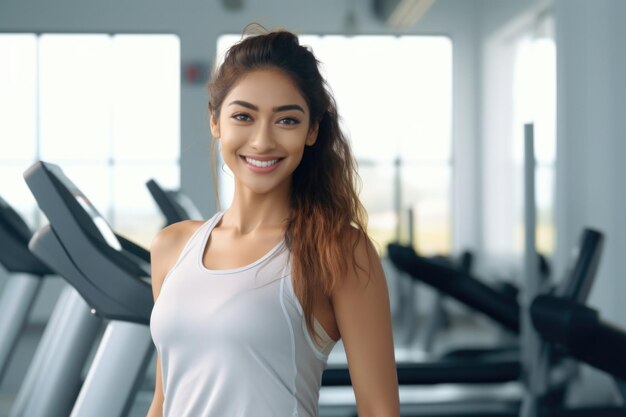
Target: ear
[(311, 137), (215, 127)]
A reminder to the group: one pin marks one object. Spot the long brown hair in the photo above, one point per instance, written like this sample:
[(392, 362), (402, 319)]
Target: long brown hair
[(324, 200)]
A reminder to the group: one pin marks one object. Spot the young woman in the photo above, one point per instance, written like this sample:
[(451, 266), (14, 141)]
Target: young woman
[(249, 304)]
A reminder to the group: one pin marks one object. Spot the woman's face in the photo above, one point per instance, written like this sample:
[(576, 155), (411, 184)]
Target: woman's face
[(263, 128)]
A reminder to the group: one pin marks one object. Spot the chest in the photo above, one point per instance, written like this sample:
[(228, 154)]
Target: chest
[(235, 309), (223, 251)]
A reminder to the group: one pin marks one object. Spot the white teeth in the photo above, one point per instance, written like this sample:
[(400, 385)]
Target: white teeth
[(261, 164)]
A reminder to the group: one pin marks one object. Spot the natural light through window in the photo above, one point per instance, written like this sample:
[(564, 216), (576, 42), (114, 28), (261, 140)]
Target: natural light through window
[(535, 102), (106, 108)]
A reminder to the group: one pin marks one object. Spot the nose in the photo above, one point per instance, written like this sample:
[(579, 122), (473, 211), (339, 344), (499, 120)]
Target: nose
[(262, 139)]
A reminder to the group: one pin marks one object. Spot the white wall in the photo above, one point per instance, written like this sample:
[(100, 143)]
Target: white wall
[(591, 123), (500, 24)]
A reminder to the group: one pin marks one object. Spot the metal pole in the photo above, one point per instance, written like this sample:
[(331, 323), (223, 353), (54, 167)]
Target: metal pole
[(397, 196), (54, 377), (15, 304), (116, 372), (411, 225), (534, 368)]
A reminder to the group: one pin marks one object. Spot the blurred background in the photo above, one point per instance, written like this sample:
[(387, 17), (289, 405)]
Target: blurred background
[(433, 94)]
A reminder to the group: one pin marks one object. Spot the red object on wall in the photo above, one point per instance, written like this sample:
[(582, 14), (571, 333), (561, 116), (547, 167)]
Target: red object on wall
[(195, 73)]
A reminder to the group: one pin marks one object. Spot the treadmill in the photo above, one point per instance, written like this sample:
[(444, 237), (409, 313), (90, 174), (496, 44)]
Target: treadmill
[(55, 375), (499, 307), (495, 305), (26, 276), (570, 329), (174, 205), (113, 282), (580, 333)]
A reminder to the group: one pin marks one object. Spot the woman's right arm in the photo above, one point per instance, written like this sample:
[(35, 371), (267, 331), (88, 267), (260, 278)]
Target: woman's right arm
[(164, 252)]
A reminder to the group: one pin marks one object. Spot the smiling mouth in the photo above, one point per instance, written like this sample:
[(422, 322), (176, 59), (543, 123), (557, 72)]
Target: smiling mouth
[(261, 164)]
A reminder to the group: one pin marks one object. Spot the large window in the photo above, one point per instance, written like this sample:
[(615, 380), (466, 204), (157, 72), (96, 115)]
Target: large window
[(535, 102), (105, 108), (395, 98), (519, 88)]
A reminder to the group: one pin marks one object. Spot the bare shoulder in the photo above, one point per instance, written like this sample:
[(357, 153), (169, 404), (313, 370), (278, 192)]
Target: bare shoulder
[(166, 247), (173, 236), (364, 251), (363, 259)]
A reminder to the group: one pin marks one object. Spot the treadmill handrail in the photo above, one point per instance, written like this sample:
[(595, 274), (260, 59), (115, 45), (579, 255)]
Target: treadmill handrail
[(102, 265), (170, 208), (134, 249), (459, 285), (14, 237), (442, 372), (581, 331), (580, 277), (481, 297)]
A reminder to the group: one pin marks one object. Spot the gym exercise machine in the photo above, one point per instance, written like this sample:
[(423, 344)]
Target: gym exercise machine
[(26, 276)]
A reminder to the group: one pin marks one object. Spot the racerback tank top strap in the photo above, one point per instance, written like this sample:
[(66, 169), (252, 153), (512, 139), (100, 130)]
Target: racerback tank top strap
[(233, 342)]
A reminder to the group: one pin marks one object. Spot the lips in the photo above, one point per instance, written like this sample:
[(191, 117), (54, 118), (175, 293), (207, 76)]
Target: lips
[(262, 165)]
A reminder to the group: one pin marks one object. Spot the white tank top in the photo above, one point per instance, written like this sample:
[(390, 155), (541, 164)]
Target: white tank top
[(234, 342)]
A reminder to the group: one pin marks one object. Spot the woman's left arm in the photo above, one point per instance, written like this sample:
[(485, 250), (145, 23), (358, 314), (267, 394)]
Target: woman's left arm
[(362, 312)]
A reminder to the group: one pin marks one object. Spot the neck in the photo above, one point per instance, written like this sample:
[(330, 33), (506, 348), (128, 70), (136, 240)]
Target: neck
[(251, 212)]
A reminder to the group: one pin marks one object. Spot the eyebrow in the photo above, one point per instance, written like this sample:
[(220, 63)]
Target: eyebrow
[(251, 106)]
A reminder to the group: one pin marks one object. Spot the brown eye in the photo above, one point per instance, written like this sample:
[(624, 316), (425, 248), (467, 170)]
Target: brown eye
[(241, 117), (289, 121)]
